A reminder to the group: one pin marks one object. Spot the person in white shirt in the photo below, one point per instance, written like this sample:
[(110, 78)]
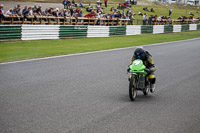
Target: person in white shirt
[(9, 12), (144, 18)]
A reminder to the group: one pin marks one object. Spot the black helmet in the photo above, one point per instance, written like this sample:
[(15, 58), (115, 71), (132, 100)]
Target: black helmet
[(139, 53)]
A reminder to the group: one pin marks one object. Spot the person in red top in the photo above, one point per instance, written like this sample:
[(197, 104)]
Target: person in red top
[(77, 10), (90, 15), (105, 1)]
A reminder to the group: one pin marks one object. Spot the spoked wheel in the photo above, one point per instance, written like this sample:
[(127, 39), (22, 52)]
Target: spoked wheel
[(132, 88), (146, 90)]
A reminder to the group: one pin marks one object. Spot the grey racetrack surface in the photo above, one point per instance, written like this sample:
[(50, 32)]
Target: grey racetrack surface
[(89, 93)]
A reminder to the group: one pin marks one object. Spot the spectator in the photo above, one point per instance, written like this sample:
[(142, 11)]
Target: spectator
[(98, 15), (105, 1), (18, 9), (81, 13), (128, 12), (77, 10), (19, 12), (150, 20), (27, 13), (131, 14), (146, 9), (127, 1), (120, 6), (34, 8), (123, 14), (140, 13), (65, 3), (14, 11), (144, 18), (169, 20), (81, 5), (56, 13), (132, 2), (170, 12), (51, 10), (73, 2), (39, 10), (31, 11), (89, 9), (72, 9), (190, 13), (9, 12), (159, 18), (45, 12), (24, 10), (62, 14), (151, 10), (68, 13), (90, 15)]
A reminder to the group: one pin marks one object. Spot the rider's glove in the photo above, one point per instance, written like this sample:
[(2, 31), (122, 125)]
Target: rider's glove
[(128, 69), (147, 70)]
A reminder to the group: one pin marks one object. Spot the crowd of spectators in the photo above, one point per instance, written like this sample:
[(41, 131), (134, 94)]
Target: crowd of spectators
[(161, 19), (73, 9)]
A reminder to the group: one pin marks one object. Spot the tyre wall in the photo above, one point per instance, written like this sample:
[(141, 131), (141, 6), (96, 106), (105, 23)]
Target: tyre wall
[(38, 32), (98, 31), (72, 31), (9, 32), (168, 28)]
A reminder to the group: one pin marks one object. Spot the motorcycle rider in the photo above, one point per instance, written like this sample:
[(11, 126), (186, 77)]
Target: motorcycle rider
[(146, 57)]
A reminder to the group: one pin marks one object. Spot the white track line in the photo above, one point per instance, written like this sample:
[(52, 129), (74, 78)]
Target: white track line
[(53, 57)]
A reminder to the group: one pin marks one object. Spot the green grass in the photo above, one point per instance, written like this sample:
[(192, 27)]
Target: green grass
[(19, 50)]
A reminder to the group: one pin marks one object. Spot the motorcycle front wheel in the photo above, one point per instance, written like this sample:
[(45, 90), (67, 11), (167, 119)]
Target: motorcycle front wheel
[(132, 88)]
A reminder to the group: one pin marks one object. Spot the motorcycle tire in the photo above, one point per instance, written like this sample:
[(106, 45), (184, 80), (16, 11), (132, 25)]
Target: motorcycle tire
[(132, 88)]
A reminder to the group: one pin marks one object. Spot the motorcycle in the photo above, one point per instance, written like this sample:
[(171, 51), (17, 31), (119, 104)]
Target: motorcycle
[(138, 80)]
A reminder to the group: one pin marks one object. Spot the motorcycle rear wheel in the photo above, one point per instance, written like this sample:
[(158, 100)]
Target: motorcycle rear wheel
[(132, 88)]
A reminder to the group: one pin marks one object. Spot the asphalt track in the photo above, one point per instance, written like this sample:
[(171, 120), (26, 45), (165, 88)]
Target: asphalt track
[(89, 93)]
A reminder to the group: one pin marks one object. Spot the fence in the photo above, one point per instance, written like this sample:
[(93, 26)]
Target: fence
[(49, 20), (38, 32), (62, 20)]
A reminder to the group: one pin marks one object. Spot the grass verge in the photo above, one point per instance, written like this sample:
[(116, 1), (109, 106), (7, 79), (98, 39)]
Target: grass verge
[(20, 50)]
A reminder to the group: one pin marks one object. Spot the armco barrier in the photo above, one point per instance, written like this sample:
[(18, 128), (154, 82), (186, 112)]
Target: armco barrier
[(98, 31), (133, 29), (168, 28), (37, 32), (8, 32), (73, 31)]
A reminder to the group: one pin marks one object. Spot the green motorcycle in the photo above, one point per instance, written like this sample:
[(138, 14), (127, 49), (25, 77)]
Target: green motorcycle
[(138, 80)]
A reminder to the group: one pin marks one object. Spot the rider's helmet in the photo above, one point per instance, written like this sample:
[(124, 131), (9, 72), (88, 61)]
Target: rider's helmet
[(139, 53)]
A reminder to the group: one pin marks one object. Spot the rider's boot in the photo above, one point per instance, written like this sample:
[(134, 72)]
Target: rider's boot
[(129, 78), (152, 88)]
